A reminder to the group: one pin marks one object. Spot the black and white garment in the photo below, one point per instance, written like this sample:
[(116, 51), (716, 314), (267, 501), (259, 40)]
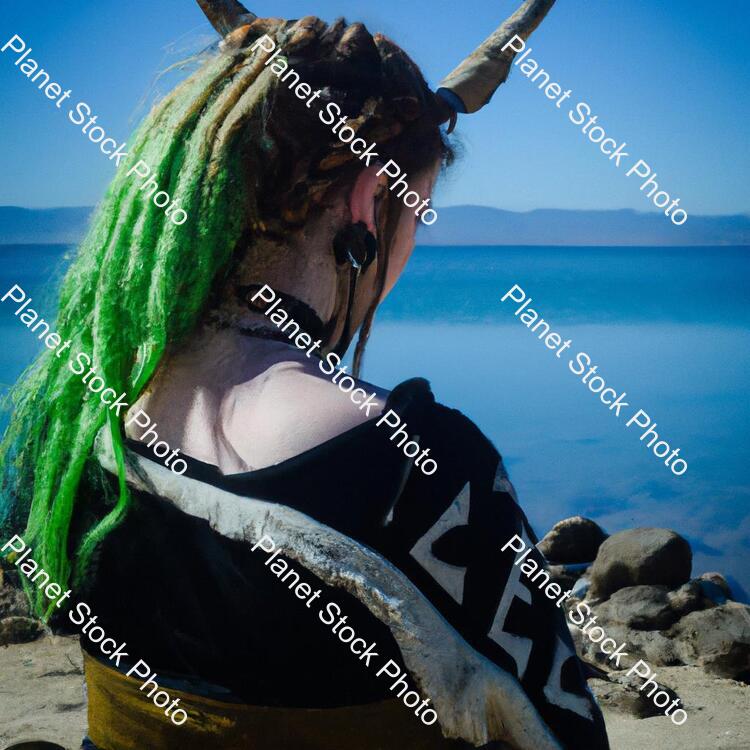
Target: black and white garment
[(415, 561), (447, 535)]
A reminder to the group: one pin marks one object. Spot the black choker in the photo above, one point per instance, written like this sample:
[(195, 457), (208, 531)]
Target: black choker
[(308, 320)]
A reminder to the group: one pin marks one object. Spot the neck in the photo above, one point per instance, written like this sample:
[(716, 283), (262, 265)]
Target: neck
[(303, 268)]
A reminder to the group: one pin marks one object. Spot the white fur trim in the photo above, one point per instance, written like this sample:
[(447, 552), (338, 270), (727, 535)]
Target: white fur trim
[(474, 699)]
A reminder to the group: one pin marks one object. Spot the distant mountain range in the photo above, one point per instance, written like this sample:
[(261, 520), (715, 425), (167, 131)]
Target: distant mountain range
[(480, 225), (458, 225)]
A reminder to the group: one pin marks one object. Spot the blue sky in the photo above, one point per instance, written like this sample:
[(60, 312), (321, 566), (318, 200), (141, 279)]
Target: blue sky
[(668, 78)]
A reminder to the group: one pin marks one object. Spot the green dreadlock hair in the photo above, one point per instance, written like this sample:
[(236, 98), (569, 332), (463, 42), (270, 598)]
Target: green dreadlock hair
[(138, 284), (222, 146)]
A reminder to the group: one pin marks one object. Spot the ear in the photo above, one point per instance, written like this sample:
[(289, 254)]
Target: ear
[(362, 198)]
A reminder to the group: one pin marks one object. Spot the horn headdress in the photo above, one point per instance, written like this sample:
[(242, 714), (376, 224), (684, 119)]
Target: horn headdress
[(226, 15), (471, 85), (467, 88)]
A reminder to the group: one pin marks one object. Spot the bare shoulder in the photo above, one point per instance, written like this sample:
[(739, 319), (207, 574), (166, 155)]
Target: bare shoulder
[(292, 406), (244, 403)]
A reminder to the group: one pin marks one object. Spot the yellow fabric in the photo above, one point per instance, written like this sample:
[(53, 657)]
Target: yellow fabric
[(121, 717)]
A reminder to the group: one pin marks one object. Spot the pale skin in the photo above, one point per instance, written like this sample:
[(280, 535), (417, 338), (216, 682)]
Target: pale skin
[(243, 403)]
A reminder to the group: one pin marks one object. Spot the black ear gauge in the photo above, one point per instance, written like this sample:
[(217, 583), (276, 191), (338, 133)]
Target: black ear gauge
[(355, 245), (371, 248), (341, 244)]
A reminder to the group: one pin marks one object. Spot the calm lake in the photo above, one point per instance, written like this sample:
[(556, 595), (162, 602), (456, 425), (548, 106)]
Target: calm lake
[(669, 326)]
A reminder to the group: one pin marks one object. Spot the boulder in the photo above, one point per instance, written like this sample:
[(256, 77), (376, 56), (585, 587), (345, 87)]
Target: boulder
[(690, 597), (643, 556), (19, 630), (639, 607), (712, 584), (666, 628), (652, 607), (717, 639), (561, 576), (655, 647), (13, 602), (572, 540)]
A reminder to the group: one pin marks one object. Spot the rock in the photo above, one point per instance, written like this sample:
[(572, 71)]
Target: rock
[(581, 587), (639, 607), (19, 630), (655, 647), (712, 581), (643, 556), (572, 540), (13, 602), (621, 699), (690, 597), (560, 575), (717, 639), (620, 695), (713, 593), (653, 607)]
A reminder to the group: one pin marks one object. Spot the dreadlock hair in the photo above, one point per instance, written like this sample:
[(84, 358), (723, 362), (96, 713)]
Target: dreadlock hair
[(244, 158)]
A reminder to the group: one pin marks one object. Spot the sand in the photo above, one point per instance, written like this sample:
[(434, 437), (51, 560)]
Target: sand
[(41, 698), (718, 716), (41, 692)]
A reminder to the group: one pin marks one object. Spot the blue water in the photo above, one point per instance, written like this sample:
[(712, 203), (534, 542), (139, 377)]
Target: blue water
[(667, 325)]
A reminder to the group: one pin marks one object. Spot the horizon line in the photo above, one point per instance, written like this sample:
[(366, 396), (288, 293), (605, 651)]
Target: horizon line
[(745, 214)]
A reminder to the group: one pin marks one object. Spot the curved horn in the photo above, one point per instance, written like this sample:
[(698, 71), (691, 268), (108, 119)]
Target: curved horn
[(226, 15), (471, 85)]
